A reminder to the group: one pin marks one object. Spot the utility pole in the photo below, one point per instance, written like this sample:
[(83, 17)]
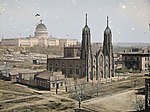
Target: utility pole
[(66, 80), (149, 70), (79, 101), (92, 69), (135, 84), (80, 69), (81, 94), (49, 83), (57, 85), (6, 69), (97, 87)]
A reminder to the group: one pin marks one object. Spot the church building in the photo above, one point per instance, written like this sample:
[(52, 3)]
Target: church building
[(107, 51), (82, 61)]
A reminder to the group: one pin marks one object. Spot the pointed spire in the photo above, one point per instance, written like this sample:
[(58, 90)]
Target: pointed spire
[(107, 21), (86, 19)]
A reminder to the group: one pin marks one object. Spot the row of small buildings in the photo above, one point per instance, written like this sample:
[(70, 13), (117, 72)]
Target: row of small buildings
[(39, 79)]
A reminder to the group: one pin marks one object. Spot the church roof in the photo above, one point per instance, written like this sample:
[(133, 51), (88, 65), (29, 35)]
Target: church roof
[(86, 28), (107, 30)]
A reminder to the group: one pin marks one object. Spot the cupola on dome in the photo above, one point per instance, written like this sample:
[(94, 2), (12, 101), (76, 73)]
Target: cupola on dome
[(41, 30), (41, 27)]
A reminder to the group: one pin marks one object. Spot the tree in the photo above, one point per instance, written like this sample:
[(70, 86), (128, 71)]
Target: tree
[(75, 77), (139, 105)]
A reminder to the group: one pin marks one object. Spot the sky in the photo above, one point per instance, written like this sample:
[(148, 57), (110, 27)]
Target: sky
[(128, 19)]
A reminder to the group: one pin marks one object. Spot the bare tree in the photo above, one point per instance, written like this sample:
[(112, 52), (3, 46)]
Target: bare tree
[(75, 77), (139, 104)]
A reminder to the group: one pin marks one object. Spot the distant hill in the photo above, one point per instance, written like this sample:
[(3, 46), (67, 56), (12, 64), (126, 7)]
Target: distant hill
[(132, 44), (121, 46)]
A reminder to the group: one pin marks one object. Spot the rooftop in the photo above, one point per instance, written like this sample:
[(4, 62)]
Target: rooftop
[(134, 53), (15, 71), (66, 58), (41, 26), (50, 75)]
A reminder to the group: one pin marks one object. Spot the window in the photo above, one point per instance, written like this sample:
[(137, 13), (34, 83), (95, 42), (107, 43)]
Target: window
[(50, 68), (77, 71), (71, 70), (61, 83), (78, 53), (145, 58), (146, 65), (125, 58), (53, 84), (68, 53)]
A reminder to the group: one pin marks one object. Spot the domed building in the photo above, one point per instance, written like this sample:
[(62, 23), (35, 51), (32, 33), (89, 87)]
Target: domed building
[(41, 30), (40, 38), (41, 34)]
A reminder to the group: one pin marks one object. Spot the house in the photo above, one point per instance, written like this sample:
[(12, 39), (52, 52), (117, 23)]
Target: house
[(49, 80), (14, 73), (43, 79), (136, 60)]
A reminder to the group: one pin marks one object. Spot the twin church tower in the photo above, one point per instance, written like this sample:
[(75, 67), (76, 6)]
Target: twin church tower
[(103, 61), (83, 60)]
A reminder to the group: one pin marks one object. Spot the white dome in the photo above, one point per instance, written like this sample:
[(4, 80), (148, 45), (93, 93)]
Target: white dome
[(41, 30), (41, 27)]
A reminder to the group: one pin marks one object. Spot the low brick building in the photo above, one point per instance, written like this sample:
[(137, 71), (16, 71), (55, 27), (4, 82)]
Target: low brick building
[(69, 64), (48, 80), (43, 80), (13, 74)]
